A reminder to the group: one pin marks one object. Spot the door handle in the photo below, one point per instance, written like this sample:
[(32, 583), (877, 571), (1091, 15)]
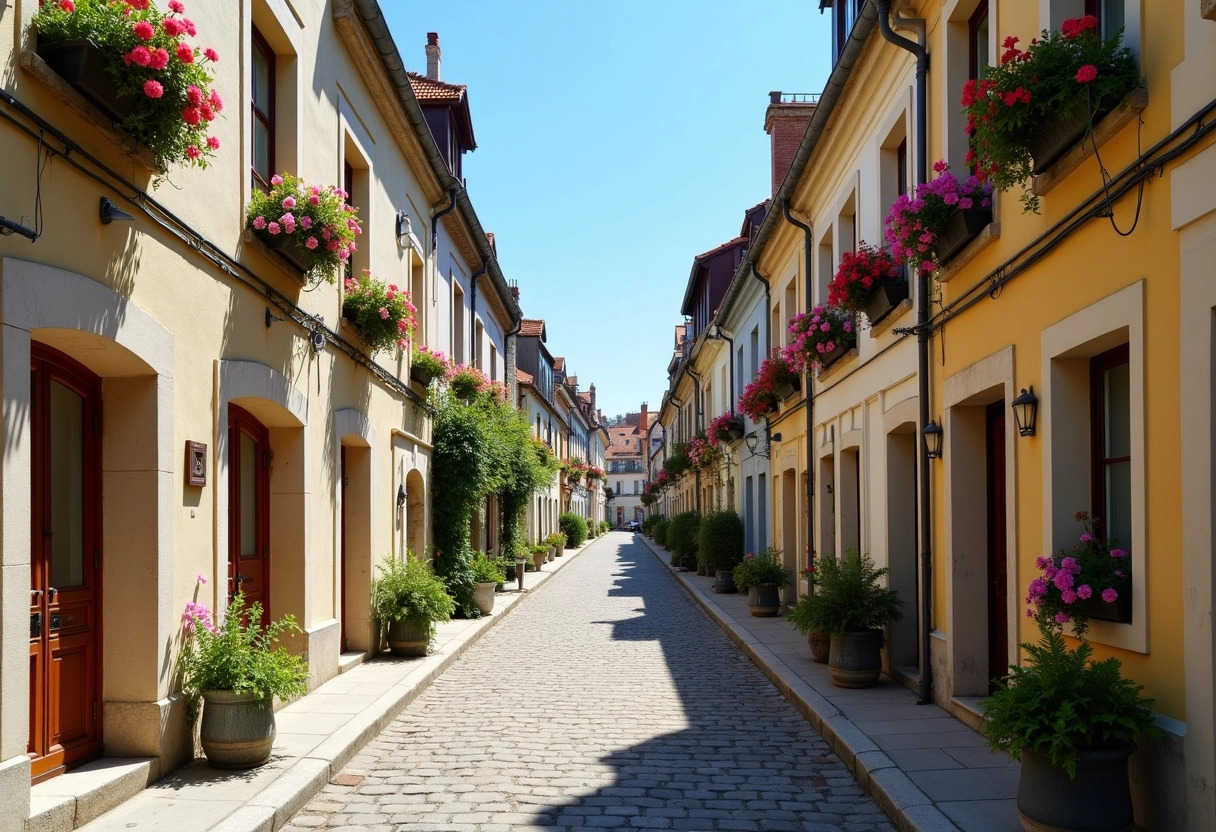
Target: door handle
[(50, 593), (37, 593)]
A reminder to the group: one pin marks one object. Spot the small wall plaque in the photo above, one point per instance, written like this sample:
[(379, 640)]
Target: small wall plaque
[(196, 463)]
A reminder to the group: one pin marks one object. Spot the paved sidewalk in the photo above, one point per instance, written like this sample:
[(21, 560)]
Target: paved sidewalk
[(317, 735), (928, 771)]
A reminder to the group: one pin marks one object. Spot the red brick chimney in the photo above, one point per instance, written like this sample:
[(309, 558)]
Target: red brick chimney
[(433, 54), (785, 121)]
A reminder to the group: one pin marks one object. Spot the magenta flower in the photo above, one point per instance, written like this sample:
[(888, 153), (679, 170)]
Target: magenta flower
[(311, 242), (1068, 596), (1109, 595), (1087, 538), (213, 143), (211, 54), (306, 222), (276, 180), (1062, 618), (289, 202), (200, 579), (184, 53), (143, 30), (1063, 580), (273, 228), (176, 6), (1118, 553), (153, 89), (383, 314)]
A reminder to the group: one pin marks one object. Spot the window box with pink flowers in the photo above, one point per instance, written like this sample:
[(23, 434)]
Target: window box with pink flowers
[(311, 227)]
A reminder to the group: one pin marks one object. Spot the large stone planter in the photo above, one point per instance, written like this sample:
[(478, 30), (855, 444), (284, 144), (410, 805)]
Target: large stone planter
[(764, 601), (538, 558), (237, 729), (724, 581), (855, 659), (1097, 800), (406, 639), (483, 598), (821, 646)]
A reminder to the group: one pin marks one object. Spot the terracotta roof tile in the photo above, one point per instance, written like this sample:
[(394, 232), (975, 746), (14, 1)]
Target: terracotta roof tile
[(522, 377), (559, 363), (721, 248), (428, 89), (531, 328)]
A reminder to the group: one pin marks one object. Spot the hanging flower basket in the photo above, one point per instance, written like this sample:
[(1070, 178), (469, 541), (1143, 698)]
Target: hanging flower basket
[(961, 228), (886, 297), (790, 387), (314, 228), (381, 312), (824, 333)]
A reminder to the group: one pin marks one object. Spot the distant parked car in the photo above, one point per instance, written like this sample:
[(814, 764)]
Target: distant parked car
[(634, 526)]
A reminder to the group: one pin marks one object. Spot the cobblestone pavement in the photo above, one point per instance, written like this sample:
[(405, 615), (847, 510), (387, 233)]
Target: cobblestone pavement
[(609, 700)]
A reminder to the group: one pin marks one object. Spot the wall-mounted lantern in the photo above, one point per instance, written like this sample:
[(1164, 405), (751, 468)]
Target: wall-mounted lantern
[(1026, 411), (933, 440)]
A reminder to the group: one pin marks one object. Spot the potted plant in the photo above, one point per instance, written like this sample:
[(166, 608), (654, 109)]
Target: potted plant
[(726, 427), (821, 337), (925, 230), (311, 227), (574, 527), (383, 314), (1090, 580), (1072, 721), (236, 670), (1025, 112), (660, 531), (408, 599), (540, 553), (850, 603), (682, 539), (558, 541), (135, 63), (801, 616), (466, 382), (487, 574), (868, 280), (720, 543), (426, 365), (768, 389), (763, 577)]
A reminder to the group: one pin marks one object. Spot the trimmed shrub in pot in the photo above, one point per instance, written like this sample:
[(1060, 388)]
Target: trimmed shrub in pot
[(574, 527), (763, 577), (236, 670), (660, 531), (407, 599), (682, 538), (649, 524), (720, 544), (853, 606)]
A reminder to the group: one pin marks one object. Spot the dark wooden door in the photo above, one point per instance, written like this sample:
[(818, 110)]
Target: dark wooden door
[(65, 564), (998, 606), (248, 509), (342, 566)]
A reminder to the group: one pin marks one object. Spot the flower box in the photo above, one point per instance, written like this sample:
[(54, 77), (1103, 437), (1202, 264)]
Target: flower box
[(887, 295), (83, 65), (1120, 611), (1050, 138), (829, 358), (791, 387), (961, 228), (286, 247)]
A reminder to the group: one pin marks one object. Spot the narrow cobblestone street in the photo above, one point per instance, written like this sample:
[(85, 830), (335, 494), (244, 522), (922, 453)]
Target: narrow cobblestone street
[(608, 700)]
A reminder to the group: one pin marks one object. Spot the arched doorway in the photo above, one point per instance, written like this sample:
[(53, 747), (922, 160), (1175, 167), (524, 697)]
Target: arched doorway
[(415, 520), (65, 586)]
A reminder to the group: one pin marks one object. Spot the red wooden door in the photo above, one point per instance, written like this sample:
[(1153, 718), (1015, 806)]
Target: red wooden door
[(248, 509), (342, 564), (65, 586), (998, 605)]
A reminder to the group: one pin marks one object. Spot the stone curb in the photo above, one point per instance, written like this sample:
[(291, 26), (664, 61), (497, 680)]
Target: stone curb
[(904, 803), (271, 808)]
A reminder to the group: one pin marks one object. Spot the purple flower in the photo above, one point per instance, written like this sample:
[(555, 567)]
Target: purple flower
[(1063, 580), (1118, 553), (1109, 595), (1086, 538), (1062, 618), (1041, 562), (1068, 596), (1084, 591)]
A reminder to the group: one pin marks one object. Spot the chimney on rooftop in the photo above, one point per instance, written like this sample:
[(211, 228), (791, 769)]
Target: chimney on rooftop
[(433, 54), (592, 396), (514, 287), (785, 121)]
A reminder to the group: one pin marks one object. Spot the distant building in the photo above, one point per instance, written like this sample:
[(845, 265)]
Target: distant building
[(627, 467)]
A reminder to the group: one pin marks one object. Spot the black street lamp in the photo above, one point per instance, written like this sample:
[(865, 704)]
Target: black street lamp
[(1026, 411), (933, 440)]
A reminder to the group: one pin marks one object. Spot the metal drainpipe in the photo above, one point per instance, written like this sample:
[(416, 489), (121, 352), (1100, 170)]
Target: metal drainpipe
[(807, 236), (730, 342), (435, 217), (768, 299), (924, 691), (698, 413)]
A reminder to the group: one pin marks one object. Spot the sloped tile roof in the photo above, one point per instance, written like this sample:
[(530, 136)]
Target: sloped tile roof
[(532, 328), (430, 90), (522, 377)]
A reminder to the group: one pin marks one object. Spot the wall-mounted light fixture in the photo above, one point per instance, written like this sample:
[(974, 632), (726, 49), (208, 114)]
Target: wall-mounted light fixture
[(272, 318), (110, 212), (401, 496), (933, 440), (1026, 411), (405, 230)]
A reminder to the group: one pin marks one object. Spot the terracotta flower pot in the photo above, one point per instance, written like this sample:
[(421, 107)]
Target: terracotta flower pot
[(724, 581), (821, 646)]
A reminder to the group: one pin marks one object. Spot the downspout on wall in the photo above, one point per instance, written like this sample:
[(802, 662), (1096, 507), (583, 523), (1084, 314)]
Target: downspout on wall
[(485, 267), (924, 691), (698, 413), (768, 304), (807, 236)]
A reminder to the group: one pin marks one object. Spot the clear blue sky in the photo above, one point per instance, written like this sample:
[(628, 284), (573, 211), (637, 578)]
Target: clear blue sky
[(616, 142)]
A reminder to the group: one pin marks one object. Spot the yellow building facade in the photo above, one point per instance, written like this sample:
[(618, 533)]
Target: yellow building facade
[(184, 415)]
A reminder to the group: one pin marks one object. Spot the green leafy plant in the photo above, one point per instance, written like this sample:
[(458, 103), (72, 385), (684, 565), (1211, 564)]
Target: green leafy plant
[(239, 655), (660, 531), (574, 527), (1061, 73), (152, 65), (764, 569), (720, 540), (540, 548), (383, 314), (1063, 702), (557, 540), (649, 522), (682, 534), (407, 590), (603, 526), (849, 597), (319, 222), (487, 570), (431, 362)]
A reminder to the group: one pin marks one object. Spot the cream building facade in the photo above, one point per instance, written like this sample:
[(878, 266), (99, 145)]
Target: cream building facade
[(178, 334)]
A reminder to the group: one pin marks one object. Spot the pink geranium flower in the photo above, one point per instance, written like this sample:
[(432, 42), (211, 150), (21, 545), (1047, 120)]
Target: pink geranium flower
[(153, 89)]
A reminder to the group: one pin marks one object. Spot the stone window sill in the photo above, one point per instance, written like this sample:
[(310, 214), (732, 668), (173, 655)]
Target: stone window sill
[(38, 69), (985, 238), (1127, 112)]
